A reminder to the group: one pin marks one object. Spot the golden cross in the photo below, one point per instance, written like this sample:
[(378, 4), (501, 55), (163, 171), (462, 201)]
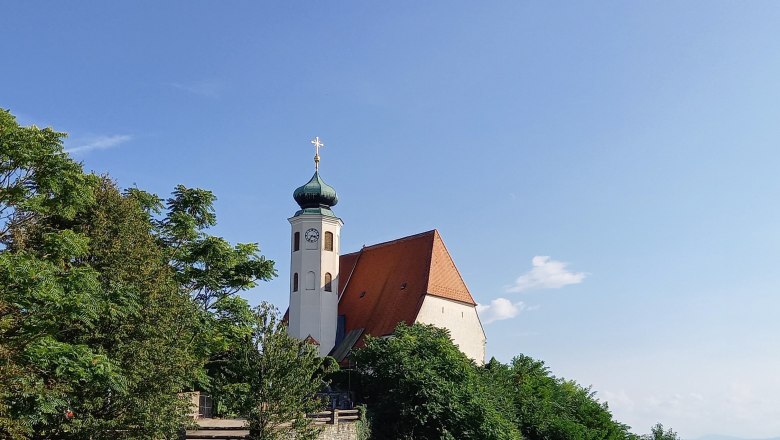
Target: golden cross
[(317, 144)]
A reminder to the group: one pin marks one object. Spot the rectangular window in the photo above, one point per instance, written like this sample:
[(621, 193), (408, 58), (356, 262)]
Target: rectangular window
[(328, 241), (297, 241), (328, 282)]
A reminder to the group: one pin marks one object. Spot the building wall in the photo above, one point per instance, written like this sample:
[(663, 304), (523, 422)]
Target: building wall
[(313, 311), (462, 322)]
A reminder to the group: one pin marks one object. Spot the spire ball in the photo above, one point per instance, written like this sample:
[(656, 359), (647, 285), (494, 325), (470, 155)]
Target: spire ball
[(317, 144)]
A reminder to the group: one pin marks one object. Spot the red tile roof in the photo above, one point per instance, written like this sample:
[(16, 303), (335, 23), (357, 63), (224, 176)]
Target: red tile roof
[(384, 284)]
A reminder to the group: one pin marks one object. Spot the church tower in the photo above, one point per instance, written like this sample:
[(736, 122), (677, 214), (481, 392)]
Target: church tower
[(314, 264)]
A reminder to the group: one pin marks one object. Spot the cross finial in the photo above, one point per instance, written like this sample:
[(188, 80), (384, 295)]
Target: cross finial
[(317, 144)]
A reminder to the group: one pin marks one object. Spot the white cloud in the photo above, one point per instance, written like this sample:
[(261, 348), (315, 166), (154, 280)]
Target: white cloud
[(99, 143), (546, 273), (209, 89), (499, 309)]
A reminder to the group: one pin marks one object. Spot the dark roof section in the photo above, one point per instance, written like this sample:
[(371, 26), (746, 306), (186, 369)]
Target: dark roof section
[(341, 351)]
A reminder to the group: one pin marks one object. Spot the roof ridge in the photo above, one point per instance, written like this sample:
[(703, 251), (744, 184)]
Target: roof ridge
[(397, 240)]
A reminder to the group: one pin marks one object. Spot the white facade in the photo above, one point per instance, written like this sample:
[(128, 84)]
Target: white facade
[(313, 300), (462, 322)]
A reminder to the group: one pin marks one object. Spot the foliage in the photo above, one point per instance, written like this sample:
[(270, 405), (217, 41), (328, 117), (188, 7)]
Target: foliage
[(37, 180), (211, 271), (284, 376), (550, 408), (100, 326), (206, 267), (363, 424), (420, 386), (657, 433), (95, 336)]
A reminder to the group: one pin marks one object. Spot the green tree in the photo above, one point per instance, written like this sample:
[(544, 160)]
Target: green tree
[(657, 433), (212, 272), (101, 324), (284, 375), (550, 408), (37, 179), (420, 386), (37, 183), (95, 336), (207, 267)]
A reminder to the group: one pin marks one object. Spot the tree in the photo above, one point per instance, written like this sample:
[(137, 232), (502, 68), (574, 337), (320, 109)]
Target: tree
[(657, 433), (95, 336), (212, 272), (102, 327), (550, 408), (37, 183), (420, 386), (37, 179), (207, 267), (284, 375)]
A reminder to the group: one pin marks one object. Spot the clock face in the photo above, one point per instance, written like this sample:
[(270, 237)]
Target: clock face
[(312, 235)]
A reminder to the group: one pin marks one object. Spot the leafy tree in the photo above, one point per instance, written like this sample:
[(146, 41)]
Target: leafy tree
[(102, 325), (284, 375), (37, 180), (420, 386), (550, 408), (211, 271), (95, 336), (657, 433), (207, 267), (37, 183)]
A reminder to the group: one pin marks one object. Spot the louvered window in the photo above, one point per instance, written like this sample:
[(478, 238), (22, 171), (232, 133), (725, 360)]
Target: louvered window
[(328, 241)]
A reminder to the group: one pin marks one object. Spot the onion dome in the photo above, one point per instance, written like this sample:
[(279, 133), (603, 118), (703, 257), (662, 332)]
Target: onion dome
[(316, 197)]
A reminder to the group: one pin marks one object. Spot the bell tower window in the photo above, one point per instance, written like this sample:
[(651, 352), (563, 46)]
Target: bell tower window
[(295, 282), (328, 282), (329, 241), (297, 242)]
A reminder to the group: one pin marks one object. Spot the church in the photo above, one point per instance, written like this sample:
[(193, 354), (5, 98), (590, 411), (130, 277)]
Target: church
[(337, 299)]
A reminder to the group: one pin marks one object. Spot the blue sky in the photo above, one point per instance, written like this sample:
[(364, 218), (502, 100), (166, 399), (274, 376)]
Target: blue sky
[(635, 144)]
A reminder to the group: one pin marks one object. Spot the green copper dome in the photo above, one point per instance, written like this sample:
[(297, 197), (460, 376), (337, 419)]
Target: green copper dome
[(316, 197)]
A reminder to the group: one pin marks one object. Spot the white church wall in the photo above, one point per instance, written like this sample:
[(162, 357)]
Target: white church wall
[(313, 311), (460, 319)]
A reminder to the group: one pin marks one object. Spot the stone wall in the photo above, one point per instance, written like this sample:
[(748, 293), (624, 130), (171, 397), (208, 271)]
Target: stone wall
[(342, 431)]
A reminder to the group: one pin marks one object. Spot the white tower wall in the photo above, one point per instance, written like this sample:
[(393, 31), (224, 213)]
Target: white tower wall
[(313, 309)]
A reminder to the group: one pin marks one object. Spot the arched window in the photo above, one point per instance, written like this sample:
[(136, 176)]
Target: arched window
[(295, 282), (297, 242), (328, 241), (310, 281), (328, 280)]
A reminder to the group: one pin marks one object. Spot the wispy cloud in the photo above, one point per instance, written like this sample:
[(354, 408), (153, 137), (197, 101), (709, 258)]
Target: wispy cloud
[(99, 143), (208, 89), (500, 309), (546, 273)]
